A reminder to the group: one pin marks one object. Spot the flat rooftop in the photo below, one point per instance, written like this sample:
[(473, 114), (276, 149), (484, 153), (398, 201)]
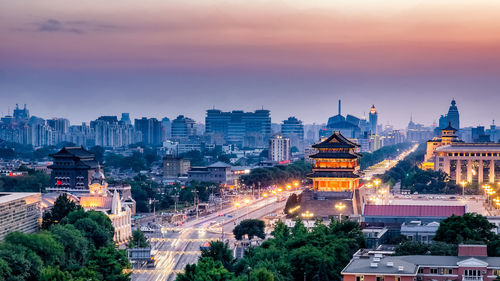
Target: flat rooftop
[(10, 196), (473, 203)]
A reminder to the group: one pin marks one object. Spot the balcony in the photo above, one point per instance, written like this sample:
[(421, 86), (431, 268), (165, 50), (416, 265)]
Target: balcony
[(472, 278)]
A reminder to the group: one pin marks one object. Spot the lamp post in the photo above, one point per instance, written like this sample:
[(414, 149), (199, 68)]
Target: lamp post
[(340, 206), (463, 183)]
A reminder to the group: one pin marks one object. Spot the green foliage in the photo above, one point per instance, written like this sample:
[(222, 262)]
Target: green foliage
[(138, 240), (54, 274), (469, 228), (277, 175), (381, 154), (205, 270), (250, 227), (33, 182), (42, 244), (74, 243), (261, 274), (98, 151), (77, 247), (292, 201), (219, 251), (417, 180), (435, 249), (292, 254), (62, 207)]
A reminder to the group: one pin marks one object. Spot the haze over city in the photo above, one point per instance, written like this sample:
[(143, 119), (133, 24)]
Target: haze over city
[(165, 58)]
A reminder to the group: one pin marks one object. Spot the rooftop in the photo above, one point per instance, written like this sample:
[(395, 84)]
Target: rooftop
[(470, 147), (11, 196), (336, 140), (413, 210)]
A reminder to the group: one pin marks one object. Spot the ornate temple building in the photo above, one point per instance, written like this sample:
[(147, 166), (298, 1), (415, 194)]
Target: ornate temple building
[(101, 199), (72, 170), (335, 165), (76, 172), (463, 162), (335, 190), (448, 136)]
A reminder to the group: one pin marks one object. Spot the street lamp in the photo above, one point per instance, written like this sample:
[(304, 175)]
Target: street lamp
[(340, 206), (463, 183), (307, 214)]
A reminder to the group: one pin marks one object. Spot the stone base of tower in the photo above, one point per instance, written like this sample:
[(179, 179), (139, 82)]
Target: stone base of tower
[(323, 204)]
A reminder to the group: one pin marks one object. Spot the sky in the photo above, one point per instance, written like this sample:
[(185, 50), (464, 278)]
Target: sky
[(156, 58)]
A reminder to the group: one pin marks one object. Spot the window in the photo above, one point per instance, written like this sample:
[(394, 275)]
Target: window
[(434, 271), (397, 278), (496, 272), (360, 278), (421, 270), (380, 278), (448, 271)]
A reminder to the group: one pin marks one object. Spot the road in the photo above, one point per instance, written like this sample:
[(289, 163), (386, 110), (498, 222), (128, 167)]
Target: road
[(174, 248)]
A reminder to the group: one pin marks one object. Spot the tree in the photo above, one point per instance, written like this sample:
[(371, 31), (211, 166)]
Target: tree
[(98, 151), (469, 228), (109, 263), (74, 243), (42, 244), (250, 227), (219, 251), (138, 240), (62, 207), (54, 274), (411, 248), (206, 270), (261, 274)]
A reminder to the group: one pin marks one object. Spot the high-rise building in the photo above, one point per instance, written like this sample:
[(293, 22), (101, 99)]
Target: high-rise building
[(347, 126), (126, 118), (183, 128), (244, 129), (166, 128), (60, 127), (21, 115), (279, 148), (293, 129), (150, 130), (373, 118), (109, 132), (453, 115)]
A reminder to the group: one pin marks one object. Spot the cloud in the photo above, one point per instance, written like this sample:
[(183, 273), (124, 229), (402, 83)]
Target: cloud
[(74, 26), (53, 25)]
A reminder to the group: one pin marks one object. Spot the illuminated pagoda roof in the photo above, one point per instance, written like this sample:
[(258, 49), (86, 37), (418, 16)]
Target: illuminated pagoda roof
[(336, 140)]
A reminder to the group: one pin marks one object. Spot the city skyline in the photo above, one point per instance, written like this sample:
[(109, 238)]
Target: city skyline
[(155, 58)]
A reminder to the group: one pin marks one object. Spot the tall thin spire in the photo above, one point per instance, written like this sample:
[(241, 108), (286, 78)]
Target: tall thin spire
[(340, 107)]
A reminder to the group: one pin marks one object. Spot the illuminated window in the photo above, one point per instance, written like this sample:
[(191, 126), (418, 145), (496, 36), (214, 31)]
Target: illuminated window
[(448, 271), (360, 278)]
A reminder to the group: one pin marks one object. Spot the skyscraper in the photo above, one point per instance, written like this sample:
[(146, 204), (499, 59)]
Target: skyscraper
[(453, 115), (373, 118), (279, 148), (183, 127), (150, 130), (293, 129), (126, 118), (251, 129), (166, 127)]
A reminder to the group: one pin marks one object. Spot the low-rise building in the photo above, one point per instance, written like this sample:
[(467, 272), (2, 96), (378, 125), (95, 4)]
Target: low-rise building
[(471, 264), (19, 211), (175, 166), (417, 231)]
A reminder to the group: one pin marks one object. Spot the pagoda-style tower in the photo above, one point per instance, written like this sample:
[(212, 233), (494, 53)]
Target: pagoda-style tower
[(336, 165)]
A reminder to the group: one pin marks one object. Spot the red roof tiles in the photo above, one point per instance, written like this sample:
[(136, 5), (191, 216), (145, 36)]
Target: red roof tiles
[(413, 210)]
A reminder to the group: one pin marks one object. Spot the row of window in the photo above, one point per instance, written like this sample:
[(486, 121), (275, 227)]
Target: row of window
[(471, 154), (379, 278)]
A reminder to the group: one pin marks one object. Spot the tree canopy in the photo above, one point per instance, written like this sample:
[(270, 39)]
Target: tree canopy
[(251, 228), (292, 254), (75, 247)]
